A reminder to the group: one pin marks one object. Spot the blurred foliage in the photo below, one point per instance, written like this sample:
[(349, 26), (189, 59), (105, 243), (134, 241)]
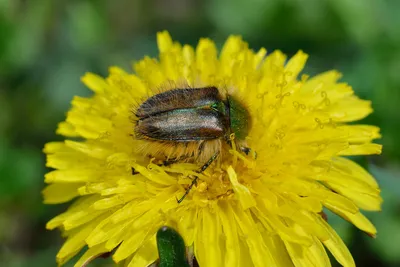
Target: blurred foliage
[(45, 46)]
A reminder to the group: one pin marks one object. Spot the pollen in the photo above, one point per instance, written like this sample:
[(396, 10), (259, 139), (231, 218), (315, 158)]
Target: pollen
[(202, 187)]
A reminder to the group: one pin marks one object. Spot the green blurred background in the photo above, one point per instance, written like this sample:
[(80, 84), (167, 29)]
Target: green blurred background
[(45, 46)]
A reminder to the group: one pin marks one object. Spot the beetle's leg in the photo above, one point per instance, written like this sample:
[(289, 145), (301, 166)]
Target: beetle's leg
[(175, 160), (202, 169), (208, 163), (165, 163), (248, 150), (245, 150)]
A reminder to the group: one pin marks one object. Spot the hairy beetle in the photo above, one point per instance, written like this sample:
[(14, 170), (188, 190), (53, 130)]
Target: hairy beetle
[(190, 123)]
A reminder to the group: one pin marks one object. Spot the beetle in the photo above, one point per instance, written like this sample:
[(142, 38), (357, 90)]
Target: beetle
[(192, 123)]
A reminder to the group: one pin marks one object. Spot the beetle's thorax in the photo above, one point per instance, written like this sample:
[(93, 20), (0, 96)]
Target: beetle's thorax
[(239, 118)]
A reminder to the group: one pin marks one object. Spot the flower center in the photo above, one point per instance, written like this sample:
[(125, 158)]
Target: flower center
[(215, 186)]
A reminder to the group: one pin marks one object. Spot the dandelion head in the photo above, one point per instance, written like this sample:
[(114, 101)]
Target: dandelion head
[(259, 203)]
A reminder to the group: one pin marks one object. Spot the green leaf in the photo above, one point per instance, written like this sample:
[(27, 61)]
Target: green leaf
[(171, 248)]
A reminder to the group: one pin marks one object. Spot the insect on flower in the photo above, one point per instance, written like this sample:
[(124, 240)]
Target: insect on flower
[(193, 122), (193, 107)]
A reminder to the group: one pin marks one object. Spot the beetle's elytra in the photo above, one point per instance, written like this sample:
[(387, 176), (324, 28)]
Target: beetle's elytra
[(191, 115)]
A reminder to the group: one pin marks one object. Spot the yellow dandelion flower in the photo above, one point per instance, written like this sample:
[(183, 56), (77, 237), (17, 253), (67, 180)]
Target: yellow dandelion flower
[(260, 209)]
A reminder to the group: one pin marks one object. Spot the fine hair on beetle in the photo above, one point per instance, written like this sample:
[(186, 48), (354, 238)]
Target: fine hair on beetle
[(191, 124)]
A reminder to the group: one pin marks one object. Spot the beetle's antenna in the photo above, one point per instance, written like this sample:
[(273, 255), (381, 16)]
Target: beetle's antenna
[(202, 169)]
